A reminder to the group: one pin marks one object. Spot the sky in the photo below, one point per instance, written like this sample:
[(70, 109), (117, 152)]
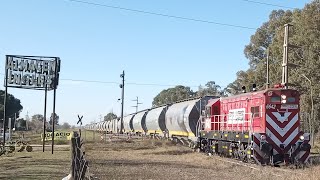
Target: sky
[(96, 43)]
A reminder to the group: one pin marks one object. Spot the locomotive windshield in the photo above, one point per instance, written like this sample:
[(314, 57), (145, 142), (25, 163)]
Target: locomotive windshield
[(282, 97)]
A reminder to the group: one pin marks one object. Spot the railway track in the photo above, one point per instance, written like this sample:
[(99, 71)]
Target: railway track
[(250, 164)]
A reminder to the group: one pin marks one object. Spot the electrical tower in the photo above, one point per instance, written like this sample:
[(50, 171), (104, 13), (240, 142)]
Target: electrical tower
[(137, 104)]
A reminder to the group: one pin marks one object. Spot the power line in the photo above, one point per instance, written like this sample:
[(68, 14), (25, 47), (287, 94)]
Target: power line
[(151, 84), (113, 82), (164, 15), (268, 4), (128, 83), (90, 81)]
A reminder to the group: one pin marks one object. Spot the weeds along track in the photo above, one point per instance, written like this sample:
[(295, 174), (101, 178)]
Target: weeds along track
[(157, 151), (313, 160), (144, 158)]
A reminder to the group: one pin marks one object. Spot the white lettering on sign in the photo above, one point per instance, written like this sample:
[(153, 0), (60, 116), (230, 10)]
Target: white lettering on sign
[(236, 116), (271, 106), (31, 73), (289, 106)]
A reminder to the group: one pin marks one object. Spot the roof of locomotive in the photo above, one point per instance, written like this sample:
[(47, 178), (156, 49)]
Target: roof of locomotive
[(255, 93)]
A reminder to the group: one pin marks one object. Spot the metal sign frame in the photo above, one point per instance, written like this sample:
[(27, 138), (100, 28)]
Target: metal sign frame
[(36, 73)]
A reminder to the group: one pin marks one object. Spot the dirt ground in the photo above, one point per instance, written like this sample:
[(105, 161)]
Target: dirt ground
[(150, 159)]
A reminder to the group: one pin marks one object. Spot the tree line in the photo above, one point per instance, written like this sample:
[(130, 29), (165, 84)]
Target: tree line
[(303, 56), (304, 61), (304, 72)]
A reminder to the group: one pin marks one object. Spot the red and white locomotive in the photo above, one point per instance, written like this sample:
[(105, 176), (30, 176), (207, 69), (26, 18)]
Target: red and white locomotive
[(260, 125)]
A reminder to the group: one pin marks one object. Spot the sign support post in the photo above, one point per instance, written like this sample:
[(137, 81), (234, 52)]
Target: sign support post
[(5, 104), (44, 118)]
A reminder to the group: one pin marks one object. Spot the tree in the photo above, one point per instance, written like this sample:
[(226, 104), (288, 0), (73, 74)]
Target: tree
[(210, 89), (65, 125), (171, 95), (37, 117), (20, 124), (14, 106), (56, 121), (305, 33), (109, 117), (256, 50), (256, 53), (36, 123)]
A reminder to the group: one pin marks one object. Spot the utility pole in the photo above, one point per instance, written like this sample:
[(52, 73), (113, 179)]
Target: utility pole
[(268, 83), (122, 101), (285, 73), (136, 106), (285, 56), (311, 122), (285, 64)]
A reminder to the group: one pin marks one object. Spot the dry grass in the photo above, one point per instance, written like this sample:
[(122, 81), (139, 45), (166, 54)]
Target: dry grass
[(36, 164), (140, 159), (150, 159)]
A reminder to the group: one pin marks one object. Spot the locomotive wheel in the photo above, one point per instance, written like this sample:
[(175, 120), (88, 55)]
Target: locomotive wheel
[(242, 153)]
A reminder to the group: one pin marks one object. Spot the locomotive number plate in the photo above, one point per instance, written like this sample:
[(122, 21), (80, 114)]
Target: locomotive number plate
[(289, 106)]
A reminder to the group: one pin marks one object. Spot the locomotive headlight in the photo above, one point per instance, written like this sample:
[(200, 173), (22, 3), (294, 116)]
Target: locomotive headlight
[(301, 138), (283, 99), (263, 137)]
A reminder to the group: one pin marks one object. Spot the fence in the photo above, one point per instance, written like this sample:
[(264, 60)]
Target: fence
[(78, 163)]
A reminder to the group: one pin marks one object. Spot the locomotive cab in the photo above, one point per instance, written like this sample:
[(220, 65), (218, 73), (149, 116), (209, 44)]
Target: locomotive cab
[(211, 115), (283, 141)]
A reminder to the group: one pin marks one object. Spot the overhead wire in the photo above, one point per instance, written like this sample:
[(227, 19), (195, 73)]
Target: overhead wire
[(90, 81), (163, 15), (117, 83), (181, 17), (268, 4)]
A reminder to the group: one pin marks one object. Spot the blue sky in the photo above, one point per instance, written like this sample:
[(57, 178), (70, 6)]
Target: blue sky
[(97, 43)]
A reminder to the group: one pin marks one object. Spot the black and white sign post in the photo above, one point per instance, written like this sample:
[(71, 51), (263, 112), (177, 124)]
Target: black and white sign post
[(32, 72), (80, 122)]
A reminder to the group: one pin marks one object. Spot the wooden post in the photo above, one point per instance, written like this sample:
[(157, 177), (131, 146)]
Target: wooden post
[(73, 146), (75, 155), (78, 164)]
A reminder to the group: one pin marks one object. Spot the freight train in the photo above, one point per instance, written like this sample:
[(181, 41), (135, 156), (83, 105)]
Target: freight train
[(260, 126)]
